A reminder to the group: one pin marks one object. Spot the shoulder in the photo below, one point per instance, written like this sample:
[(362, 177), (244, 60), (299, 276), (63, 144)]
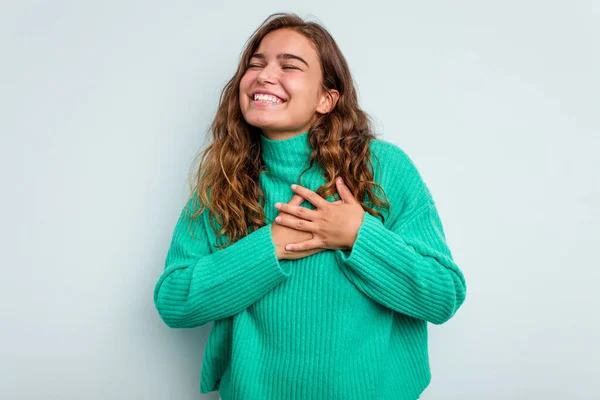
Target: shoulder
[(390, 153), (398, 175)]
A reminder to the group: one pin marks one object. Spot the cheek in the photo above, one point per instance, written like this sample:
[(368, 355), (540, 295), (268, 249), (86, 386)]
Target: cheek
[(247, 80), (243, 90), (297, 89), (243, 84), (303, 95)]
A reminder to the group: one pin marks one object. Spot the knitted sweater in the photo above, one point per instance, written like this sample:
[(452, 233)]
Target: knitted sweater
[(339, 324)]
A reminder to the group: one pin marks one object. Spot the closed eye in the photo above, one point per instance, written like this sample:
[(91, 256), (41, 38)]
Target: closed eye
[(288, 66)]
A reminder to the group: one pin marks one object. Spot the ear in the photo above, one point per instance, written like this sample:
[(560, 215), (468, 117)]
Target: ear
[(328, 101)]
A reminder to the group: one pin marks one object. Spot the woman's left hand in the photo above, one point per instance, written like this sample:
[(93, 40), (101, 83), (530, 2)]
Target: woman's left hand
[(333, 225)]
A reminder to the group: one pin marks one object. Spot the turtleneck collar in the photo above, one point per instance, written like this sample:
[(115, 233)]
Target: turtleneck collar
[(286, 158)]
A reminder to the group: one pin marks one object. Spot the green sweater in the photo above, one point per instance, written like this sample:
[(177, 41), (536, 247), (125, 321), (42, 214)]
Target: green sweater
[(340, 324)]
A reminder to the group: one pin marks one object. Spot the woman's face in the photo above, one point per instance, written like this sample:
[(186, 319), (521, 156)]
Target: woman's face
[(286, 70)]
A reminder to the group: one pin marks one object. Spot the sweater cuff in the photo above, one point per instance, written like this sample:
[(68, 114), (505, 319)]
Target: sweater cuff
[(251, 259), (260, 255), (368, 238)]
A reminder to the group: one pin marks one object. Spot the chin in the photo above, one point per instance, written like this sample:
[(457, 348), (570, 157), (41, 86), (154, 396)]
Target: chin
[(264, 122), (268, 127)]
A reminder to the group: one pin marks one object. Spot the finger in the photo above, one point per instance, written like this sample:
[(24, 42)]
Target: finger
[(311, 196), (296, 223), (344, 192), (296, 200), (298, 211), (302, 246)]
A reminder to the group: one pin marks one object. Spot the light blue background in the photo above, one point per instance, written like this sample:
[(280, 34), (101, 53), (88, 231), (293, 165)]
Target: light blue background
[(103, 106)]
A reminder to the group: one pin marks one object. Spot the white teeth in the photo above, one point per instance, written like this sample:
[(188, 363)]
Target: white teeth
[(267, 97)]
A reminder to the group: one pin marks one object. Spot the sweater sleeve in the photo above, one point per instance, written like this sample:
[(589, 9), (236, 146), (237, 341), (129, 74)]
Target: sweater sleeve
[(198, 286), (408, 267)]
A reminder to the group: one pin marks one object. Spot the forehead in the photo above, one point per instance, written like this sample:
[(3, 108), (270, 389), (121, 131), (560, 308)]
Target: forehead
[(287, 41)]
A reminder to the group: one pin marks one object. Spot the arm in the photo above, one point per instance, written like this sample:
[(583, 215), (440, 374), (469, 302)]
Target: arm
[(198, 286), (407, 268)]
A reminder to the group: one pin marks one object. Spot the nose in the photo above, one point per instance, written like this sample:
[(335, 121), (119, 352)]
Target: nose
[(266, 75)]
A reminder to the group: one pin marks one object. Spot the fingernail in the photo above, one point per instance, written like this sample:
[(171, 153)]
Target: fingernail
[(294, 186), (339, 179), (278, 219), (278, 205)]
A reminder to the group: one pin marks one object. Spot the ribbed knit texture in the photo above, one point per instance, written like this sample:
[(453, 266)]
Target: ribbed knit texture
[(340, 324)]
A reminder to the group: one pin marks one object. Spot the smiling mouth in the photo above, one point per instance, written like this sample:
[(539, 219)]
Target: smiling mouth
[(266, 100), (263, 103)]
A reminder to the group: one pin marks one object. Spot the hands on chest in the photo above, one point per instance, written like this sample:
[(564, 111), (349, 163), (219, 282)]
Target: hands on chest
[(299, 232)]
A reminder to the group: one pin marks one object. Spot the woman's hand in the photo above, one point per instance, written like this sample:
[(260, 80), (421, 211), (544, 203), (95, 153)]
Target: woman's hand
[(282, 235), (333, 225)]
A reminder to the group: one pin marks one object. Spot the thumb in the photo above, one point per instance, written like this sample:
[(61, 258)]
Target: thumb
[(344, 192)]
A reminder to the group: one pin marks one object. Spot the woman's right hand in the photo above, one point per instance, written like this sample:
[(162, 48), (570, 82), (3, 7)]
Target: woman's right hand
[(283, 235)]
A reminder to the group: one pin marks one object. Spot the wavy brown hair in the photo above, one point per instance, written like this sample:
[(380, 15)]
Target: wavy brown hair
[(227, 178)]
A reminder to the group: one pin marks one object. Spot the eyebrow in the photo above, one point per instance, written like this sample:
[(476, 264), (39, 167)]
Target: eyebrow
[(281, 56)]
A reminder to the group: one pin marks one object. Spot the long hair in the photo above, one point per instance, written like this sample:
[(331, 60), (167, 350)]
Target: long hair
[(227, 178)]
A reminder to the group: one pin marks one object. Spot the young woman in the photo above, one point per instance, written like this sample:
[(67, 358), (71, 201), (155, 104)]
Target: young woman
[(331, 299)]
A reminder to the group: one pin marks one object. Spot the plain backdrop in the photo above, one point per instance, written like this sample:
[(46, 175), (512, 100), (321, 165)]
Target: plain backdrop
[(104, 104)]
